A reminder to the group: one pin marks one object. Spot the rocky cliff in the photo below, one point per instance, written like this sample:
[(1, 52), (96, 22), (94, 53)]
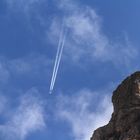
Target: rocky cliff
[(125, 121)]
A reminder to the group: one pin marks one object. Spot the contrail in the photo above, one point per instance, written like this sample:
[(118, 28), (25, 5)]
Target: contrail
[(58, 57)]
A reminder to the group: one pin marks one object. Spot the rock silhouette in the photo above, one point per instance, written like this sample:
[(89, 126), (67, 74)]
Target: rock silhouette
[(125, 121)]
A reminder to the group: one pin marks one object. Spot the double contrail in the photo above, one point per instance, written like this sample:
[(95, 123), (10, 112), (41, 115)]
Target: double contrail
[(58, 56)]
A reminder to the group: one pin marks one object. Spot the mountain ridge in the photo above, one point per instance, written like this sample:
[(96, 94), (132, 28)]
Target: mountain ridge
[(125, 120)]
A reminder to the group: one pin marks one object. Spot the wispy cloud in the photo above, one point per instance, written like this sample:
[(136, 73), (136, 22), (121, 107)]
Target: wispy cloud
[(4, 73), (83, 113), (32, 65), (86, 40), (25, 119), (3, 103), (23, 5)]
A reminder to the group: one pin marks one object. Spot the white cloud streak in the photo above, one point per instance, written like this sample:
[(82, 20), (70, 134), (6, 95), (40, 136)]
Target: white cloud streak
[(80, 112), (27, 118), (58, 57)]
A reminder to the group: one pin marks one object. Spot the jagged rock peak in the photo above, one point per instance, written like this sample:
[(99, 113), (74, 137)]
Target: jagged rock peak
[(125, 121)]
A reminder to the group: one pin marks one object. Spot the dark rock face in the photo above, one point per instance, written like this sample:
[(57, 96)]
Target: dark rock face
[(125, 121)]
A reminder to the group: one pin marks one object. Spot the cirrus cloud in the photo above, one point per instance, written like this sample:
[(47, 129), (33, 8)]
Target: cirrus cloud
[(24, 119), (83, 113), (86, 40)]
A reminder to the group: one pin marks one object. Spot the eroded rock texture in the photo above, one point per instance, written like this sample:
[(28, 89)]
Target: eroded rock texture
[(125, 121)]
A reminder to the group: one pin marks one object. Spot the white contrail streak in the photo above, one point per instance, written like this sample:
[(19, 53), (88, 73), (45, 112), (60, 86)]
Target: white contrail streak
[(58, 57)]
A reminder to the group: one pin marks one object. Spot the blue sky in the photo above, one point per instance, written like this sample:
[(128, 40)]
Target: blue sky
[(101, 49)]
